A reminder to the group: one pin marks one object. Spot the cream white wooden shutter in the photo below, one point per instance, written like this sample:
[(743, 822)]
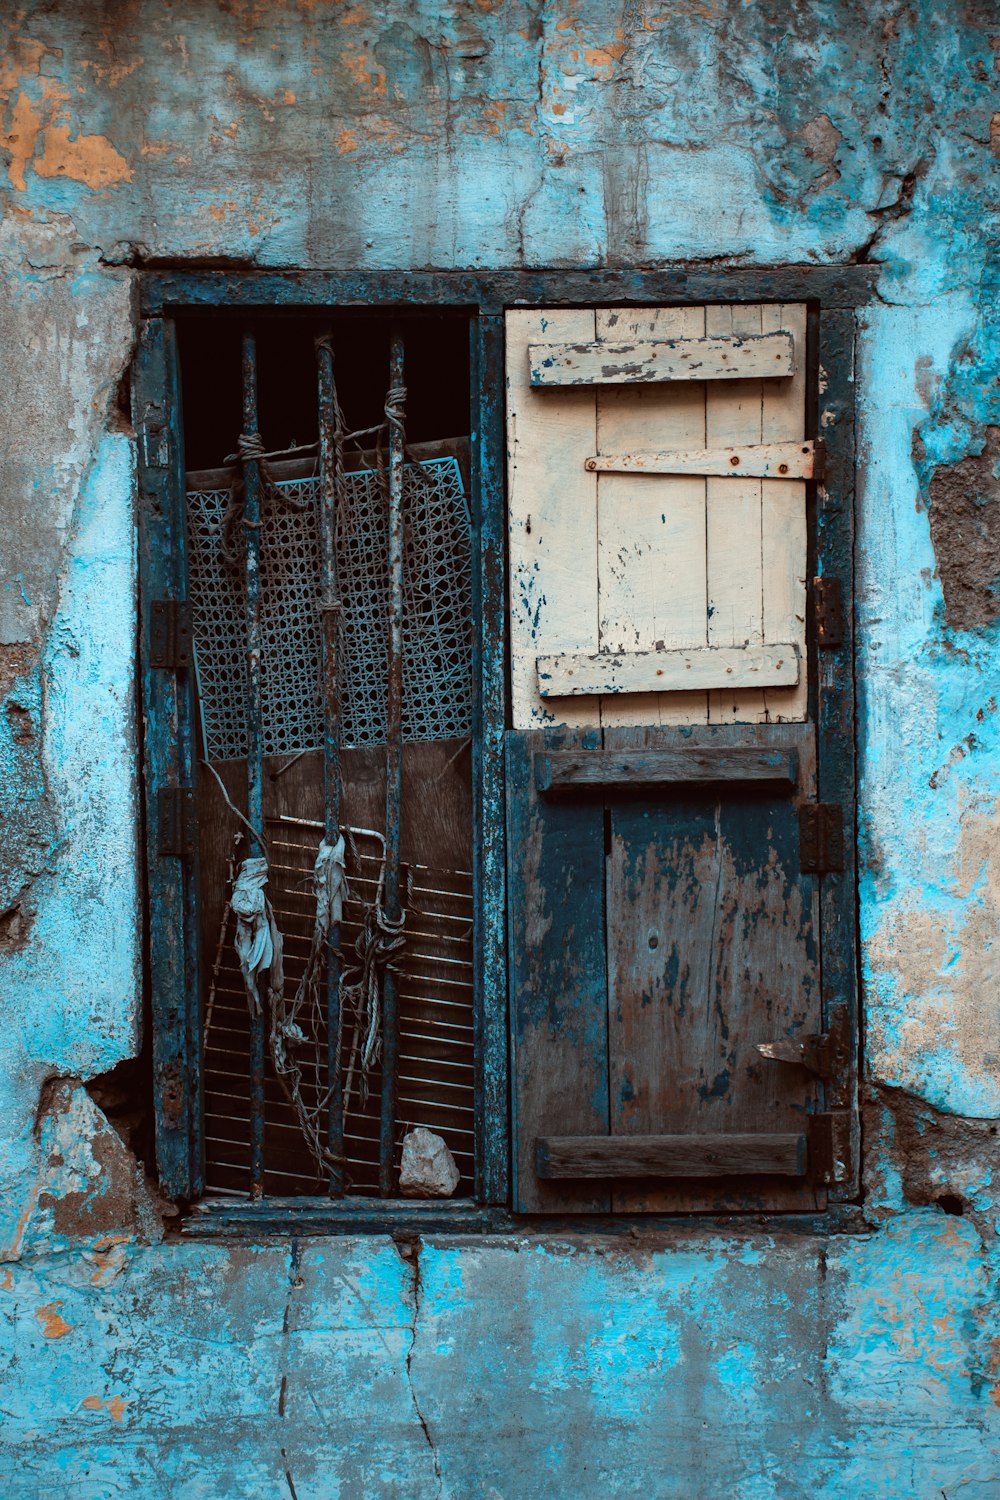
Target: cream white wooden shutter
[(657, 518)]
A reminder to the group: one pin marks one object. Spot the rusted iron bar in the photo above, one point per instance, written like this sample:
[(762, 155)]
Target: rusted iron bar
[(394, 407), (329, 471), (255, 736)]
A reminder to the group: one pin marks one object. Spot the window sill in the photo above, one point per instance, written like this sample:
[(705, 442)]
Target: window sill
[(228, 1218)]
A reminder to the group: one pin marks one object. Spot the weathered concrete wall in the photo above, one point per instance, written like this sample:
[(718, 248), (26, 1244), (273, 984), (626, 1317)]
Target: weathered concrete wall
[(467, 133)]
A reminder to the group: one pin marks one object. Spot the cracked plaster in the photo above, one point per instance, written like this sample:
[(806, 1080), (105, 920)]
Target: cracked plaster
[(324, 134)]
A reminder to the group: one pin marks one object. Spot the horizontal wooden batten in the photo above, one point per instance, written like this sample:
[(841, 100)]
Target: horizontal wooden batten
[(754, 461), (580, 770), (701, 667), (750, 357), (608, 1156)]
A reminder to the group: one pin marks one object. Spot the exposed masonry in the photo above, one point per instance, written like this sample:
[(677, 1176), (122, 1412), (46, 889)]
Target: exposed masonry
[(965, 529)]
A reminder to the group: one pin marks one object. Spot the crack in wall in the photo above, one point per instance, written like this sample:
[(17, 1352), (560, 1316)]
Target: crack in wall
[(408, 1247)]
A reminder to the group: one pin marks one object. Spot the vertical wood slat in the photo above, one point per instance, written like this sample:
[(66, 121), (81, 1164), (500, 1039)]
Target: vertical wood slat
[(552, 516), (784, 523), (255, 730), (329, 458), (168, 712), (393, 758), (835, 705), (489, 713), (651, 530), (557, 973), (735, 580)]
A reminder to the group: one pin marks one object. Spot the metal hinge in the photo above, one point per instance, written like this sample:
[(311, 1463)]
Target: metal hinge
[(830, 1146), (177, 818), (826, 1054), (821, 837), (170, 634), (828, 611)]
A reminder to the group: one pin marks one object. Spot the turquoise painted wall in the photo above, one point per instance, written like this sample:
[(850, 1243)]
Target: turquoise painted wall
[(308, 133)]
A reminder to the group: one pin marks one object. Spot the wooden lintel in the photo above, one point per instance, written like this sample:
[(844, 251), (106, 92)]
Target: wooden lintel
[(579, 770), (746, 357), (701, 667), (752, 460), (607, 1156)]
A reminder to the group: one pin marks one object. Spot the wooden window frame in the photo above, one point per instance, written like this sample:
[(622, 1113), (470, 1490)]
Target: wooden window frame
[(833, 296)]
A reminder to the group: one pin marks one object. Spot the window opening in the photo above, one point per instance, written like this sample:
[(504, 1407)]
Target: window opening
[(331, 606)]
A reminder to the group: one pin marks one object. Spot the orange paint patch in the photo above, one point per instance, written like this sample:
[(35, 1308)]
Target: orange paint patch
[(495, 117), (25, 123), (347, 141), (115, 1406), (361, 69), (289, 97), (54, 1325), (7, 1280), (90, 159), (23, 59), (603, 57)]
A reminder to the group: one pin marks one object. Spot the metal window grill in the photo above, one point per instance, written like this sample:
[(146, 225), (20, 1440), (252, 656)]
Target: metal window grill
[(332, 612), (436, 1060), (437, 628)]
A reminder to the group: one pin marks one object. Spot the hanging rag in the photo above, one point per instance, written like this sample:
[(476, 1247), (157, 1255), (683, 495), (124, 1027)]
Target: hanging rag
[(288, 1036), (258, 941)]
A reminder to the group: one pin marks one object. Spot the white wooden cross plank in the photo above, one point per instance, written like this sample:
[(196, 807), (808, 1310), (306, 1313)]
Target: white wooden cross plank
[(708, 667), (637, 362), (757, 460)]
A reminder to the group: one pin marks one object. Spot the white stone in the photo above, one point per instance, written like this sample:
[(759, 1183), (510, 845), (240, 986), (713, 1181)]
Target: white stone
[(428, 1168)]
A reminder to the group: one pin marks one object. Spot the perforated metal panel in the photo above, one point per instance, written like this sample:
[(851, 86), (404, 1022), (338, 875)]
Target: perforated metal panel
[(437, 632)]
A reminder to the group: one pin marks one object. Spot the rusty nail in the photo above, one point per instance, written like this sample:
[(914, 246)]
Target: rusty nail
[(734, 459), (782, 468)]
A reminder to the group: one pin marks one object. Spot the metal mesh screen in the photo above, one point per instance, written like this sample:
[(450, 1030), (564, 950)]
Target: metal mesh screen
[(437, 628)]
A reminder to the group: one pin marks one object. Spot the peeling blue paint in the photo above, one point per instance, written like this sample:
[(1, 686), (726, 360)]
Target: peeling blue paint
[(751, 1361)]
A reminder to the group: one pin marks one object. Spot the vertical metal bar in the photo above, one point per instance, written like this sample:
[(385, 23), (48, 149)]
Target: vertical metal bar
[(255, 737), (393, 753), (329, 465)]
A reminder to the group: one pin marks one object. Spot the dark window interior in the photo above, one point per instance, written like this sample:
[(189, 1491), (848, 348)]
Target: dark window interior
[(435, 1078)]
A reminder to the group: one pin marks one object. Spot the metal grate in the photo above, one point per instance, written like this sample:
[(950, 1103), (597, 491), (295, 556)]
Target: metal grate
[(435, 1076), (437, 631)]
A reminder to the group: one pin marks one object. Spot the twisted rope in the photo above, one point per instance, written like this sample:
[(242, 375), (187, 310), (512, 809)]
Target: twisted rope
[(249, 449)]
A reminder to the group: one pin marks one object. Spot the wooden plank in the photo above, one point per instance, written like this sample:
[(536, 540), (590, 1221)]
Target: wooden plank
[(633, 362), (489, 707), (427, 291), (836, 708), (583, 770), (712, 948), (168, 713), (557, 973), (651, 535), (602, 1156), (735, 588), (783, 517), (779, 461), (664, 671), (552, 517)]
